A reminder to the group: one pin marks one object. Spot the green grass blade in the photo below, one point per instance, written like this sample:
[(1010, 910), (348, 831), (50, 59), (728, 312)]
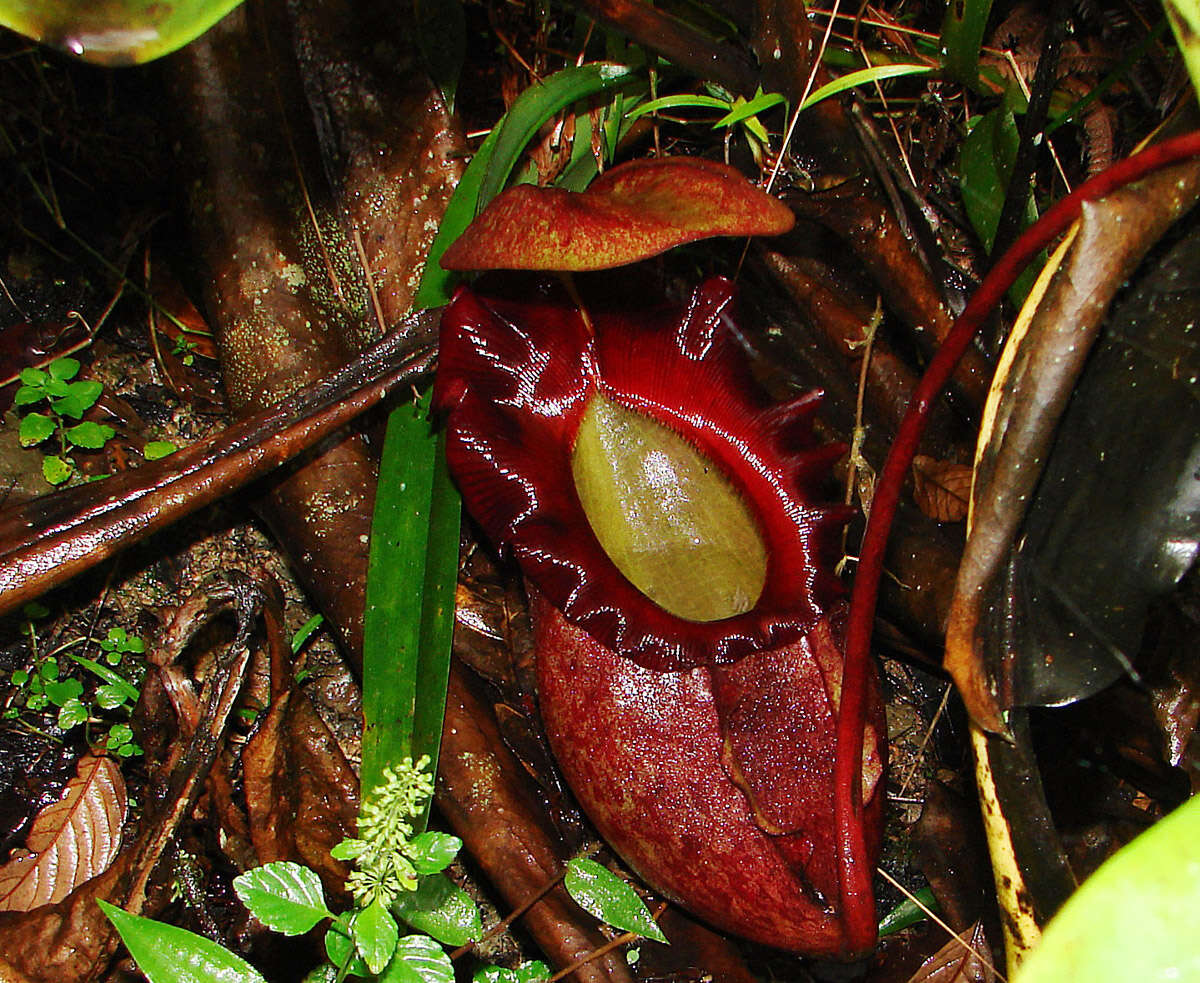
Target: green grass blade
[(863, 76), (409, 620), (688, 100), (539, 103), (743, 110)]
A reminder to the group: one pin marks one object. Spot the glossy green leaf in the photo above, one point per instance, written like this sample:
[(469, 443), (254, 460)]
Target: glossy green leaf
[(115, 32), (306, 631), (864, 76), (419, 959), (440, 908), (284, 896), (908, 912), (28, 395), (437, 284), (71, 714), (986, 163), (962, 35), (411, 585), (431, 852), (63, 369), (340, 948), (61, 691), (987, 160), (109, 697), (602, 893), (375, 935), (166, 954), (534, 971), (1132, 919)]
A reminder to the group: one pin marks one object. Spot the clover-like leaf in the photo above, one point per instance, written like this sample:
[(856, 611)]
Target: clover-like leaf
[(602, 893), (35, 427), (88, 435), (56, 470), (71, 713), (28, 395), (156, 449), (109, 697), (78, 398), (61, 690), (64, 369)]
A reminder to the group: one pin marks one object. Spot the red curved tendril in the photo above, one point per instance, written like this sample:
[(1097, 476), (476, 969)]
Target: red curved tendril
[(856, 879)]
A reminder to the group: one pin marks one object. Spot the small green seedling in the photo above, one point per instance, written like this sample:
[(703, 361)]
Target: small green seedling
[(44, 685), (66, 399), (185, 348), (398, 880)]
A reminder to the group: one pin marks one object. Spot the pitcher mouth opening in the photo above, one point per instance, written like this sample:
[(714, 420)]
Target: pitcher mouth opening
[(706, 540)]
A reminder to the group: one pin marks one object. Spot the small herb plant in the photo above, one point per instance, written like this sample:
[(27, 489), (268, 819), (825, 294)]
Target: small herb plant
[(398, 878), (66, 399), (44, 685)]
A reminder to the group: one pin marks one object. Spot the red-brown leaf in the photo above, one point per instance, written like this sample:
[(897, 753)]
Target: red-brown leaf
[(942, 489), (966, 958), (632, 212), (71, 840)]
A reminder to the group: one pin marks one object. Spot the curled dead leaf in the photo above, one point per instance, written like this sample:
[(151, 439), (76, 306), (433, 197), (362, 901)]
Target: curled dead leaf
[(942, 489), (70, 841)]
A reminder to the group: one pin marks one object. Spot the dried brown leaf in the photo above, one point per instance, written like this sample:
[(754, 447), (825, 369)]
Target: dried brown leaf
[(966, 958), (71, 840), (942, 488)]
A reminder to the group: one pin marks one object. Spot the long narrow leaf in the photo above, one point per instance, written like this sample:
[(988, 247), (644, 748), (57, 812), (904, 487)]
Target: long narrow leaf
[(539, 103), (167, 954), (862, 77), (962, 34), (684, 101), (410, 597), (436, 283)]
